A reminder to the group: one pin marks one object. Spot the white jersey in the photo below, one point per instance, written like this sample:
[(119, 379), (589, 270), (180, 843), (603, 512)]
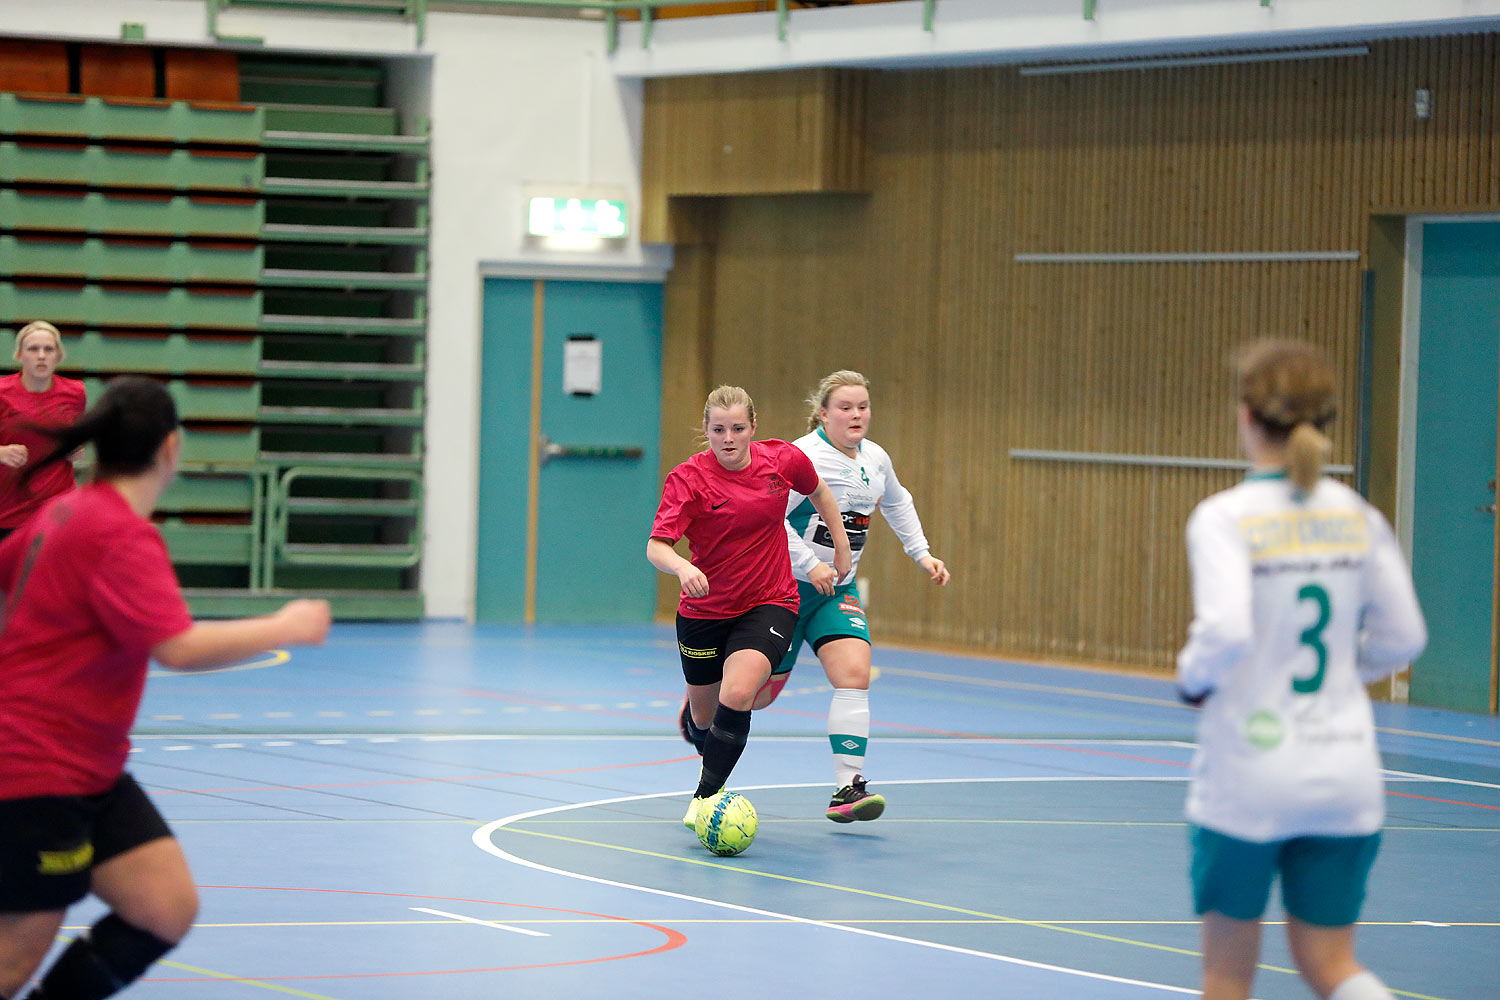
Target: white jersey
[(1299, 601), (859, 485)]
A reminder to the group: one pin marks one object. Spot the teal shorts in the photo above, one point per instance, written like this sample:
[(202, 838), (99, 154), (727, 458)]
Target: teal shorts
[(823, 618), (1322, 878)]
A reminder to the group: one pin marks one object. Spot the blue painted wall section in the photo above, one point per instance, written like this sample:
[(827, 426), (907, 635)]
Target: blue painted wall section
[(1452, 541)]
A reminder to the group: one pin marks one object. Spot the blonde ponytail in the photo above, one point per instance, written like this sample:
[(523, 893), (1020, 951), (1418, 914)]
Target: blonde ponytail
[(1306, 451), (1289, 389)]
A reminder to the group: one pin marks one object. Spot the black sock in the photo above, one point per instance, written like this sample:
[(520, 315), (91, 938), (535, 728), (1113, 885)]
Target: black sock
[(722, 748), (100, 963)]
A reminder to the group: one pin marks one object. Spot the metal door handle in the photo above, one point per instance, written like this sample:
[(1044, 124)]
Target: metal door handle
[(548, 449)]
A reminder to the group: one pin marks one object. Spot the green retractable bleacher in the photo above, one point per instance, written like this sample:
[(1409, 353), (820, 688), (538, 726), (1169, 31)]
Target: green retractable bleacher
[(268, 257)]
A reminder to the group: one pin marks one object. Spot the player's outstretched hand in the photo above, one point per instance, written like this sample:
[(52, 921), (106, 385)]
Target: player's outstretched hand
[(936, 569), (694, 583), (823, 578), (306, 621)]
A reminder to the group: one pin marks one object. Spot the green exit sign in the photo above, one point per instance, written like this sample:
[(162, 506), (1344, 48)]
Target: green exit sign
[(598, 217)]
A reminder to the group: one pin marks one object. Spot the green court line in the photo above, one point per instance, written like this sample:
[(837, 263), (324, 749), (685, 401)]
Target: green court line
[(993, 917)]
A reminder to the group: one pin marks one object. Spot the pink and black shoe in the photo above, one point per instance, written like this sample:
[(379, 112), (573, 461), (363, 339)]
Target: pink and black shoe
[(853, 802)]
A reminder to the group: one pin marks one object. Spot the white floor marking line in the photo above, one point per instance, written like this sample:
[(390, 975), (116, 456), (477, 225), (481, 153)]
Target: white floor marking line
[(481, 923), (1438, 779), (483, 842)]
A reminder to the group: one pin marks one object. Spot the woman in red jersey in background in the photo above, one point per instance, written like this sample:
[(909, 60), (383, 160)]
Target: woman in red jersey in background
[(34, 397), (739, 599), (89, 593)]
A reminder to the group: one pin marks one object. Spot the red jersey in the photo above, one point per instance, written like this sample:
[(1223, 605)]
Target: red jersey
[(88, 590), (734, 523), (60, 405)]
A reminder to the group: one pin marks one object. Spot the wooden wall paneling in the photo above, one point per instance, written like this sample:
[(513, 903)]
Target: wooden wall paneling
[(117, 71), (759, 133), (687, 359), (974, 354), (34, 67)]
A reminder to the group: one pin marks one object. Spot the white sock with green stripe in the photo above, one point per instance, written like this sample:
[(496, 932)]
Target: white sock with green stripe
[(1362, 985), (848, 733)]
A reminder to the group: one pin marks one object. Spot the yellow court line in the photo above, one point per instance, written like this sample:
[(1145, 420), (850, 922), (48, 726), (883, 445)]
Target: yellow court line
[(927, 675), (224, 975), (995, 917), (275, 988), (999, 918), (1439, 736), (1134, 699)]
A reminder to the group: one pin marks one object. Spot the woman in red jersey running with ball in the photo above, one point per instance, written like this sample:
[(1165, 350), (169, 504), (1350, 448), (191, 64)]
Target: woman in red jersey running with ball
[(739, 599)]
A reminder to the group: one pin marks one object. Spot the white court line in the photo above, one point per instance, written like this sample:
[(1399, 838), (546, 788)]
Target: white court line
[(1438, 779), (642, 738), (481, 923), (483, 842)]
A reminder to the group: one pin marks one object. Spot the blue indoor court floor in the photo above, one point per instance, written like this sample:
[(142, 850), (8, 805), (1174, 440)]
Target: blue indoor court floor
[(452, 811)]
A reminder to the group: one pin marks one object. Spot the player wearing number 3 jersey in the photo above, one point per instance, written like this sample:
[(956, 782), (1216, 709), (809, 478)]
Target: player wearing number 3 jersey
[(1300, 598)]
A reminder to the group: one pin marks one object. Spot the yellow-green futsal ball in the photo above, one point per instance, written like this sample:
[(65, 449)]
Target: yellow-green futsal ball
[(726, 823)]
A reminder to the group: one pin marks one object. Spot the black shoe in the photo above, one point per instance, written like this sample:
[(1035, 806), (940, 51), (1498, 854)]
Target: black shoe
[(852, 802), (690, 733)]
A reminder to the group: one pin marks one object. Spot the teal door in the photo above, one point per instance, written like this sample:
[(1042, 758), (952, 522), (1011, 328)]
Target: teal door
[(1453, 526), (568, 479)]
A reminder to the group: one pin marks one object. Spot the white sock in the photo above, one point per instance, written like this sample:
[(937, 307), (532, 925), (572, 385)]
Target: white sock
[(1362, 985), (849, 733)]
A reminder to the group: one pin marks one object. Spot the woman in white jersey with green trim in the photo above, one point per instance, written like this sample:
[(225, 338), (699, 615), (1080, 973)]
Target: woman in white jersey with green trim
[(1301, 597), (832, 618)]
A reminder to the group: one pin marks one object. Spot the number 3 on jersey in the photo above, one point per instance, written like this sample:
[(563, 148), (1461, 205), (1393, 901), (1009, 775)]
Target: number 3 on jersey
[(1313, 637)]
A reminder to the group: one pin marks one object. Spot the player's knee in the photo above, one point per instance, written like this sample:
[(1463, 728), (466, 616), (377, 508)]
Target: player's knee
[(168, 915)]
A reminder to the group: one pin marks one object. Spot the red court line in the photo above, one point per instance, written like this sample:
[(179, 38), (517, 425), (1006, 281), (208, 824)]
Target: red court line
[(675, 939), (1451, 802), (420, 781)]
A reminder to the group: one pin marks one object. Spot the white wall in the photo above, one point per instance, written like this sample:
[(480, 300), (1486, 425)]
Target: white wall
[(522, 100)]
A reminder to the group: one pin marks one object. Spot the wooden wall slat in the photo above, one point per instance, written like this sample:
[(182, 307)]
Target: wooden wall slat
[(972, 354)]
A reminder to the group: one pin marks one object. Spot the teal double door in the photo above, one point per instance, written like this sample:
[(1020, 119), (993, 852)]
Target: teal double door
[(568, 479), (1453, 489)]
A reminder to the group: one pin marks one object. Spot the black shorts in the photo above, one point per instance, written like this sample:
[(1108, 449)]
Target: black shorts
[(705, 643), (49, 845)]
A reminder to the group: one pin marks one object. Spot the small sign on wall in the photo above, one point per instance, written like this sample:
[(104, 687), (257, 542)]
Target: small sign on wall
[(583, 365)]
